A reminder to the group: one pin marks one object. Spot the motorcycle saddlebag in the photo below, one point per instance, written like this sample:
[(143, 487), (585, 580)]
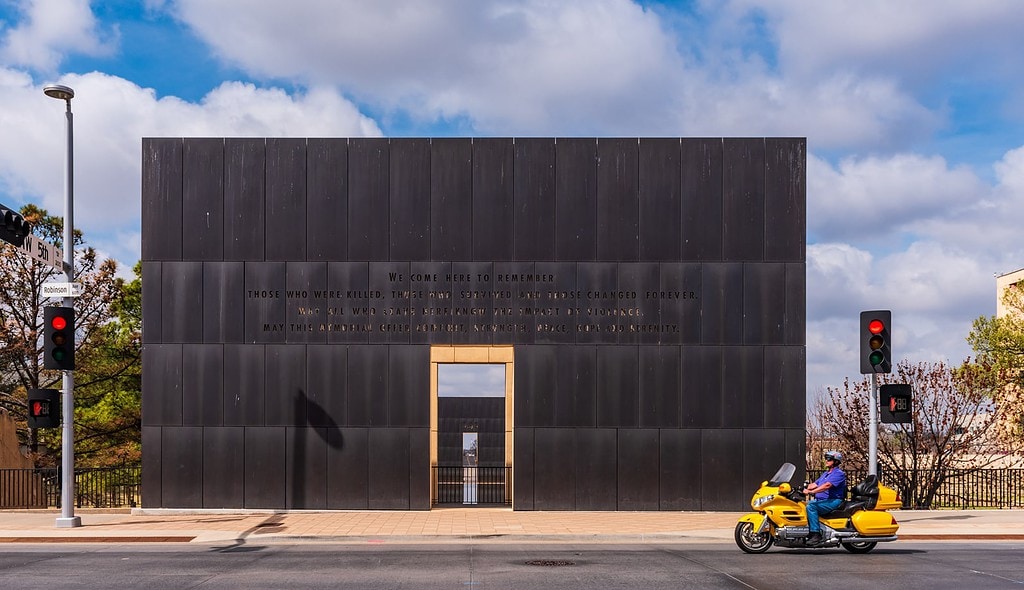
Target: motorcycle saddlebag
[(871, 522)]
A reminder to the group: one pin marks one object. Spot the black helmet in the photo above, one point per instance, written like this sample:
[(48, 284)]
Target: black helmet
[(834, 456)]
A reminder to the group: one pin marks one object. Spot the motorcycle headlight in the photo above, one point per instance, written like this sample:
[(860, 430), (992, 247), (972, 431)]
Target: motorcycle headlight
[(763, 500)]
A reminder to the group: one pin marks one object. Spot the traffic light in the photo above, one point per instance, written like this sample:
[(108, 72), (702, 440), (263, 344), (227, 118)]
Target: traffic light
[(875, 351), (13, 227), (895, 401), (59, 336), (43, 408)]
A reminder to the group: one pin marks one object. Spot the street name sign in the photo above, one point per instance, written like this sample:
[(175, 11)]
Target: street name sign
[(61, 290), (43, 252)]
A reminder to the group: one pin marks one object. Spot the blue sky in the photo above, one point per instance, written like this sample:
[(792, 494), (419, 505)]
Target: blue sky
[(913, 113)]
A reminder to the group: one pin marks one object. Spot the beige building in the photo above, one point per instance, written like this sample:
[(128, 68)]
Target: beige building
[(1010, 280)]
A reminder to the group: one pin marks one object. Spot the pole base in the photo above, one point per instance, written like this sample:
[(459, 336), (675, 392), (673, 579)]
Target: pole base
[(69, 523)]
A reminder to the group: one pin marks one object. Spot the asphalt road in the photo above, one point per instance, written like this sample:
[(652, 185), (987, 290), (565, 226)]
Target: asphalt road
[(908, 566)]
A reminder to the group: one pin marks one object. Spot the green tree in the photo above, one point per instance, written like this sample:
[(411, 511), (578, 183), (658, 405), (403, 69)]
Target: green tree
[(952, 433), (21, 346), (998, 344)]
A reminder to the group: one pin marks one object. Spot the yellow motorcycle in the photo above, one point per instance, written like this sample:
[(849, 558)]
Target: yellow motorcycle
[(857, 525)]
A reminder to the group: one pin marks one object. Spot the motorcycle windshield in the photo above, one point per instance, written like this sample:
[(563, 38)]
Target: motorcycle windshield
[(783, 475)]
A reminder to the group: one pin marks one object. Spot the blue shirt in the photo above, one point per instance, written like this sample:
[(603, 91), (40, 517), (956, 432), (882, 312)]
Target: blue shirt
[(837, 478)]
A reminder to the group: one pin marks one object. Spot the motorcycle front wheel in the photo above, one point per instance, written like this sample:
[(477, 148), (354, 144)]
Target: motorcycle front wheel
[(859, 547), (752, 542)]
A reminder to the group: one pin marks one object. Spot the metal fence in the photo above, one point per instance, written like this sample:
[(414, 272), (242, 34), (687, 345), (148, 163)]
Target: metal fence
[(106, 487), (472, 485), (961, 489)]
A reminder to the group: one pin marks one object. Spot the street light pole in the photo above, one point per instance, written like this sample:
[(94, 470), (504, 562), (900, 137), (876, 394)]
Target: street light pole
[(67, 517)]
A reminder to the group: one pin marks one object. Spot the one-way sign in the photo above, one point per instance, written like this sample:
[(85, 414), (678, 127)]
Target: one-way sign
[(43, 252)]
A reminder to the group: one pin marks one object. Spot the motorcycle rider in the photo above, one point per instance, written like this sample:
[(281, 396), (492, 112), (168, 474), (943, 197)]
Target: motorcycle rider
[(829, 491)]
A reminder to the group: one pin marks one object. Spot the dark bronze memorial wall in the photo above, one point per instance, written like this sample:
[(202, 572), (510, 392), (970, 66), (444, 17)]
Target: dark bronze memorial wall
[(653, 291)]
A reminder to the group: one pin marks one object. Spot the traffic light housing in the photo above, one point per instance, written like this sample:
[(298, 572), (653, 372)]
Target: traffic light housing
[(895, 400), (875, 348), (44, 408), (59, 336), (13, 227)]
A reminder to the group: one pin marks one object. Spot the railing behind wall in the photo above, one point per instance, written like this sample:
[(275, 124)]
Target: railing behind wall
[(472, 485), (106, 487)]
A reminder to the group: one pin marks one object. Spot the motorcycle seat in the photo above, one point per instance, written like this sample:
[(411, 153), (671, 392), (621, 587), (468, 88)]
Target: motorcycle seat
[(863, 496)]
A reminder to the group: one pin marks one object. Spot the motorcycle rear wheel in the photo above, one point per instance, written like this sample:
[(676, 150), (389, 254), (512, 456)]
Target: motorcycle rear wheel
[(751, 542), (863, 547)]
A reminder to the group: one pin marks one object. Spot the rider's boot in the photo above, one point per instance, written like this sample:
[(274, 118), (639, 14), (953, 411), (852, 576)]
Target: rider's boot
[(814, 538)]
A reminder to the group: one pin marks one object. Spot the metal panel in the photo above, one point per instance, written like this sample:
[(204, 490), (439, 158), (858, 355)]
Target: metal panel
[(679, 306), (244, 385), (203, 199), (419, 468), (203, 385), (618, 403), (701, 177), (347, 286), (161, 370), (638, 469), (306, 470), (430, 288), (743, 199), (796, 303), (367, 386), (660, 203), (285, 385), (307, 302), (721, 469), (368, 165), (327, 199), (659, 386), (409, 386), (152, 311), (555, 477), (701, 387), (534, 186), (764, 303), (409, 209), (182, 301), (286, 199), (535, 369), (244, 193), (764, 450), (347, 469), (680, 463), (785, 199), (451, 200), (743, 386), (182, 460), (266, 302), (327, 383), (472, 300), (492, 195), (224, 299), (388, 469), (576, 200), (785, 372), (596, 469), (161, 198), (577, 374), (265, 449), (796, 447), (152, 459), (548, 307), (618, 199), (598, 283), (223, 467), (639, 283), (722, 303), (523, 474), (388, 280)]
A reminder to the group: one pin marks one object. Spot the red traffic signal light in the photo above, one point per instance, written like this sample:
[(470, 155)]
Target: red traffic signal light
[(43, 408), (875, 350), (59, 338)]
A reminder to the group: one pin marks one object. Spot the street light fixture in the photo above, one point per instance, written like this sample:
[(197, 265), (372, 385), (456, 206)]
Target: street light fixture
[(67, 517)]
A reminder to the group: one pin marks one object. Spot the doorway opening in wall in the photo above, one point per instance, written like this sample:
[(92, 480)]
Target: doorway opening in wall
[(471, 434)]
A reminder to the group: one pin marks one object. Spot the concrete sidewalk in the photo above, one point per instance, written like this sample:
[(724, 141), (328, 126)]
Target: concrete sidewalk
[(451, 525)]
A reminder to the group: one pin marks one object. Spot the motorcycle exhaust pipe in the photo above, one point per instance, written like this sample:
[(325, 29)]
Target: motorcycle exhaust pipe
[(867, 539)]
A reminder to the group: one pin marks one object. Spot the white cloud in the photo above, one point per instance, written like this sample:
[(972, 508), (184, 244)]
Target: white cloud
[(50, 30), (111, 115)]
